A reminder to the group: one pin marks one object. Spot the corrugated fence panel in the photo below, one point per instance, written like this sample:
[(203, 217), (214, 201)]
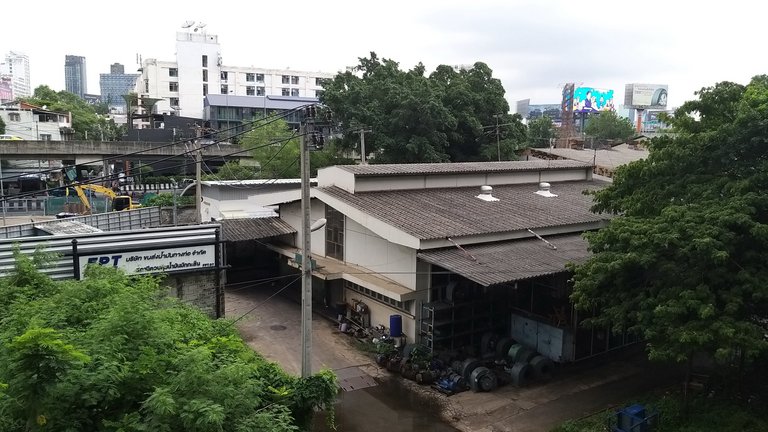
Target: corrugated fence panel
[(141, 218), (144, 239)]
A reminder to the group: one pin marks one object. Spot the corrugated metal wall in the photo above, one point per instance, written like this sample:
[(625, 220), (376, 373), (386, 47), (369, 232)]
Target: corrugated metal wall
[(63, 267), (141, 218)]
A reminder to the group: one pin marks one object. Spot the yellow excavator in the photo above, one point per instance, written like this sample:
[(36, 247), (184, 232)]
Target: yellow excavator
[(119, 202)]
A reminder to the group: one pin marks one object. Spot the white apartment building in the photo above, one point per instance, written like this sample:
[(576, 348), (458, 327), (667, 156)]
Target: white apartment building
[(182, 85), (16, 66), (36, 124)]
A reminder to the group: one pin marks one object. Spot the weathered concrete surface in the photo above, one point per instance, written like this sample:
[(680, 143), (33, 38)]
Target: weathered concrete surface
[(572, 393)]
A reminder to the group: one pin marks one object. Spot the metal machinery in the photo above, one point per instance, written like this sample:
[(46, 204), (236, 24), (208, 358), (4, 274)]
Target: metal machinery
[(119, 202)]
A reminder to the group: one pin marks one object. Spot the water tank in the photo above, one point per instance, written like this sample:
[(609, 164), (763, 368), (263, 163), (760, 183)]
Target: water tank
[(395, 325)]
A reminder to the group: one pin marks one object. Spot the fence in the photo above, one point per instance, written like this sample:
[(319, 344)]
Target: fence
[(148, 217)]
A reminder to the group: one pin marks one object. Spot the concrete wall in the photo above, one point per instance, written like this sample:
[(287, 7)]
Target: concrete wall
[(380, 314), (291, 213), (198, 289), (366, 249)]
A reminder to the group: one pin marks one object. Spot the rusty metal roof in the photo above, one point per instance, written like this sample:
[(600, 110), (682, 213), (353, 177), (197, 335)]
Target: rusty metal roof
[(509, 261), (254, 228)]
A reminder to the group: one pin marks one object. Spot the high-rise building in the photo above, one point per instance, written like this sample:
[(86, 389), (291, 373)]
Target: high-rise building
[(116, 84), (75, 79), (198, 70), (15, 69)]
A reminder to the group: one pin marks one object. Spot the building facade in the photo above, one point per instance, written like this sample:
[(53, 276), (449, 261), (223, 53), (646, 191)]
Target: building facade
[(75, 78), (36, 124), (198, 71), (231, 114), (114, 85), (15, 68)]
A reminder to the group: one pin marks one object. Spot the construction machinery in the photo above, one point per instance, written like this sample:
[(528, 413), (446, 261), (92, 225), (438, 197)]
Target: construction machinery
[(119, 202)]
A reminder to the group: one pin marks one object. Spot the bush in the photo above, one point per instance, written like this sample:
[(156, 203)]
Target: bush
[(166, 200)]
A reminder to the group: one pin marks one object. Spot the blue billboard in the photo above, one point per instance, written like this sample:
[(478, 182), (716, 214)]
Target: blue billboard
[(589, 99)]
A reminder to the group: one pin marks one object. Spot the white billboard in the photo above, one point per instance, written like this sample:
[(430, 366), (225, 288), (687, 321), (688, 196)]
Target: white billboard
[(154, 260), (652, 96)]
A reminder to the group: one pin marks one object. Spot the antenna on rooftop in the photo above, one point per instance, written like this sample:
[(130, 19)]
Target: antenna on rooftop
[(187, 24)]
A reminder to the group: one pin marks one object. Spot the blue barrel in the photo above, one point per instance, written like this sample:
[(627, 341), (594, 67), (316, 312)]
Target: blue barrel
[(395, 325)]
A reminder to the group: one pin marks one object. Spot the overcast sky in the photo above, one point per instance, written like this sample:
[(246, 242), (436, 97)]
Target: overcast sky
[(534, 47)]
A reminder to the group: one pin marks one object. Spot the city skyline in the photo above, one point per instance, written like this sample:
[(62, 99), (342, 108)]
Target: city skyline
[(533, 48)]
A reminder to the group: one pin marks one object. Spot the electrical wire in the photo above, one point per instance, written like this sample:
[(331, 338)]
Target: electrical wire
[(266, 300)]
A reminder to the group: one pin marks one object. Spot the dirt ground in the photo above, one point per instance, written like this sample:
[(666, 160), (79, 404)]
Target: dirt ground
[(272, 328)]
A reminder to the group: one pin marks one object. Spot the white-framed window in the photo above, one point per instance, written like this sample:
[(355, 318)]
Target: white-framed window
[(14, 117), (260, 91), (250, 91), (286, 91), (286, 79), (224, 75), (173, 86), (173, 72), (259, 77), (294, 80), (224, 89), (294, 92), (250, 77)]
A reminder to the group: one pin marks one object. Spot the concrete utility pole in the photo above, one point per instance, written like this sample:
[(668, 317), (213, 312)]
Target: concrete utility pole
[(306, 260), (362, 145), (198, 186), (498, 141)]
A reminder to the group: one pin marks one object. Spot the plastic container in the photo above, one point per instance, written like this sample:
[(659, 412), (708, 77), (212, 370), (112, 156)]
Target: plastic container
[(395, 325)]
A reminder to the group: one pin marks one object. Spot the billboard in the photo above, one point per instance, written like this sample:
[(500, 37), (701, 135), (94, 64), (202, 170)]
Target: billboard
[(653, 96), (6, 90), (155, 260), (589, 99)]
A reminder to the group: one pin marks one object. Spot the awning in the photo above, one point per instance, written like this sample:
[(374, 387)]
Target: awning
[(254, 228), (509, 261)]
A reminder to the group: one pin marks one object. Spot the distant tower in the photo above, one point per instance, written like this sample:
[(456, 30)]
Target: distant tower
[(75, 78), (566, 127), (15, 68), (115, 85)]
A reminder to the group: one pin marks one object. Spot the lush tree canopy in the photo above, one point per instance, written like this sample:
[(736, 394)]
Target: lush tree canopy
[(114, 353), (609, 126), (233, 170), (541, 131), (446, 116), (683, 263), (2, 126), (276, 147), (85, 120)]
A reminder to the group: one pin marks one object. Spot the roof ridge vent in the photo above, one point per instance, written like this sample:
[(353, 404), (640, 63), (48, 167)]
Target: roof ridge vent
[(544, 190), (486, 193)]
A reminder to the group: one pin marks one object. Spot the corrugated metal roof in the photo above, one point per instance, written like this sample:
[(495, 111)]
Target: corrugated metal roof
[(511, 260), (67, 227), (257, 182), (254, 229), (460, 168), (455, 212)]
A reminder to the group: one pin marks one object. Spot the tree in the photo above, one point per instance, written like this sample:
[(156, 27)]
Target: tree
[(2, 126), (233, 170), (276, 148), (608, 126), (113, 352), (683, 262), (443, 117), (540, 132), (85, 120)]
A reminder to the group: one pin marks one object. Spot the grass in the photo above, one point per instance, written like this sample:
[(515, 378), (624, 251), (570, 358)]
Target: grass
[(705, 415)]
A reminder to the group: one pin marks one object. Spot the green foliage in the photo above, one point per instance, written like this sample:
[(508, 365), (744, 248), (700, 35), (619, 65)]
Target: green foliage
[(684, 263), (232, 170), (85, 119), (609, 126), (540, 132), (2, 126), (446, 116), (704, 415), (166, 200), (113, 352)]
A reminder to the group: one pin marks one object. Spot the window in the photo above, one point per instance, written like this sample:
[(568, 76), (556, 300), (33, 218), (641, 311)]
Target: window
[(173, 86), (205, 61), (250, 91), (250, 77), (224, 75), (224, 89), (334, 233), (174, 101), (294, 92), (318, 93), (260, 91), (318, 81), (14, 117), (205, 89), (286, 79), (173, 72), (45, 137), (260, 77), (286, 92), (205, 75), (294, 80)]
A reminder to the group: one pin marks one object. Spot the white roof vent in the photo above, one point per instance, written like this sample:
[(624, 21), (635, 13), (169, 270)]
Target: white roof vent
[(486, 194), (544, 190)]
